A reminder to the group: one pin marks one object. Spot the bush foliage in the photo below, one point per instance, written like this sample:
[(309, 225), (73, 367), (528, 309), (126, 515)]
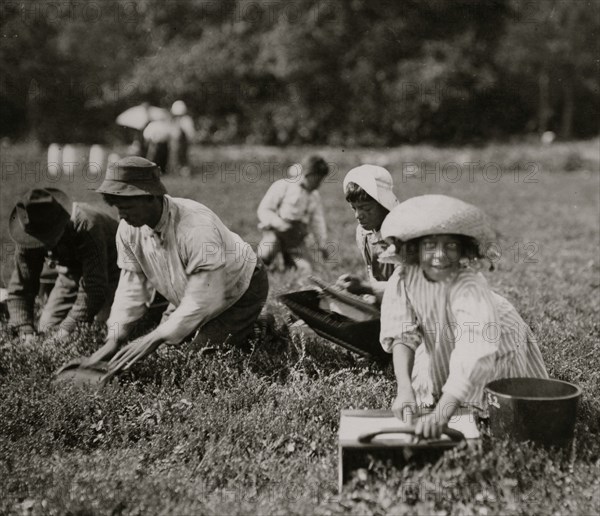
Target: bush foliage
[(308, 71)]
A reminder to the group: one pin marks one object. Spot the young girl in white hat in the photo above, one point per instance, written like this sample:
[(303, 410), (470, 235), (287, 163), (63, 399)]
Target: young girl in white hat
[(448, 332), (369, 189)]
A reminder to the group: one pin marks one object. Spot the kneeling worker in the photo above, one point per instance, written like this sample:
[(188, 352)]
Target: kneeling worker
[(181, 249), (75, 239)]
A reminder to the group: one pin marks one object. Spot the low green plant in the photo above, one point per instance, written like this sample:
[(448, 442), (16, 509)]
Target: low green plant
[(255, 431)]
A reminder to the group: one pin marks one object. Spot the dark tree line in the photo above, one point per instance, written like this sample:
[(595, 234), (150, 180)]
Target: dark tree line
[(347, 72)]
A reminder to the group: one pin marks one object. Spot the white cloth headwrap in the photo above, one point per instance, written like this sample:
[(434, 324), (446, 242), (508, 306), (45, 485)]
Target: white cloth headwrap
[(376, 181)]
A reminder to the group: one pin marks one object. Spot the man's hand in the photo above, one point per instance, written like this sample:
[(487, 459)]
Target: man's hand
[(404, 405), (59, 333), (109, 348), (27, 338), (134, 351)]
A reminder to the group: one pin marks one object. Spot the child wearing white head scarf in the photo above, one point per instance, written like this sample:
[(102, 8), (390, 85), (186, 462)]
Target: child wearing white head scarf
[(369, 190)]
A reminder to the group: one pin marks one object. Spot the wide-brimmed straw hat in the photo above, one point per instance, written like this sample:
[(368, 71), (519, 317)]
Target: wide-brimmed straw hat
[(40, 217), (376, 181), (132, 176), (437, 215)]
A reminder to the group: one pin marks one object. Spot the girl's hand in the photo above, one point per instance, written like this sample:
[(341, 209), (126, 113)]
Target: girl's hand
[(353, 284), (433, 425), (404, 405)]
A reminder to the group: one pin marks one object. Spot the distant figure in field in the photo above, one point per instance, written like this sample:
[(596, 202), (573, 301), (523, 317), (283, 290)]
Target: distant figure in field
[(290, 211), (182, 135), (157, 137), (75, 239), (369, 190), (178, 247)]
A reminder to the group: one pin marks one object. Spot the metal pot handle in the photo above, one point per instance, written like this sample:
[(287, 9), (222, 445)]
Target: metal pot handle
[(455, 435)]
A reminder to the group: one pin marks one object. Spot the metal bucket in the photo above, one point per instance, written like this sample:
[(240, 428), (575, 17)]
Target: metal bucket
[(533, 409)]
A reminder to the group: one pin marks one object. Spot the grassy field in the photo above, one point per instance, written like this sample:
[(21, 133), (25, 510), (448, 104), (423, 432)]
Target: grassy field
[(256, 432)]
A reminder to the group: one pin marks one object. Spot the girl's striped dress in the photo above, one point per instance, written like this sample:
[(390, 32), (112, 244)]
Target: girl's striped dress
[(464, 335)]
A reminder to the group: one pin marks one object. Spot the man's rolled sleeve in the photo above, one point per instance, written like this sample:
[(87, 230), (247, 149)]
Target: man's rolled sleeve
[(203, 300), (126, 259), (23, 287), (134, 293), (132, 298)]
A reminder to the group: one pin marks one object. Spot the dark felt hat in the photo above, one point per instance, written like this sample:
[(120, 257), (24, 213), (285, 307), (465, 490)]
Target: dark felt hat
[(40, 217), (131, 176)]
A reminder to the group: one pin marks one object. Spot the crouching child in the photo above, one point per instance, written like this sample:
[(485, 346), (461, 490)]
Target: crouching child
[(449, 333)]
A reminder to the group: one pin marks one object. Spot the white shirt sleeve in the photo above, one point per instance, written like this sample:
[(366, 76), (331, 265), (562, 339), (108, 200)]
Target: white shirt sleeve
[(132, 298), (126, 259), (399, 325), (187, 126), (202, 301), (268, 208), (477, 338)]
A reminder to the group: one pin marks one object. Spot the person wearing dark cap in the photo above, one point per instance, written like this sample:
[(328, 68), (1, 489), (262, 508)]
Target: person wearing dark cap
[(76, 239), (181, 249), (290, 211)]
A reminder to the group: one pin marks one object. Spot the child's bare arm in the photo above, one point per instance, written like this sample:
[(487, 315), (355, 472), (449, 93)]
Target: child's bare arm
[(404, 359), (404, 404)]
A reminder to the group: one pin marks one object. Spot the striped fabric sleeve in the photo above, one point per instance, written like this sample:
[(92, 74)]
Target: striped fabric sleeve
[(93, 284), (399, 325), (23, 287), (477, 336)]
